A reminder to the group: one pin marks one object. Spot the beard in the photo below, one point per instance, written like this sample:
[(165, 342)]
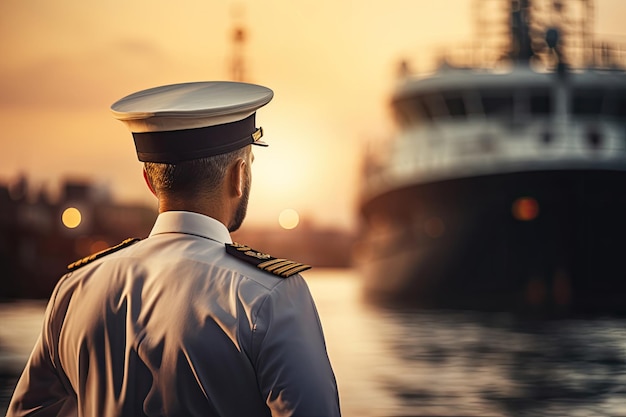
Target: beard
[(242, 207)]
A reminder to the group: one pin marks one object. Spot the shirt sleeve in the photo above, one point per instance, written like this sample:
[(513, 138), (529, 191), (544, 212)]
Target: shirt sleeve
[(293, 369), (40, 391)]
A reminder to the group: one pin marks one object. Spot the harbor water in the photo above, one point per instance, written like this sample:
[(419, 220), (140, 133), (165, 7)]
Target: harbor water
[(429, 363)]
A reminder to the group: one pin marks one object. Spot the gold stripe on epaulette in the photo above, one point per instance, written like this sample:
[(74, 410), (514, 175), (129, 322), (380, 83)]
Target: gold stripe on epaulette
[(272, 268), (295, 270), (258, 255), (92, 257), (83, 261), (262, 265), (279, 271), (280, 267)]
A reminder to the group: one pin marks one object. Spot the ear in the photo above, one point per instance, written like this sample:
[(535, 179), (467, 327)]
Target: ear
[(148, 183), (238, 176)]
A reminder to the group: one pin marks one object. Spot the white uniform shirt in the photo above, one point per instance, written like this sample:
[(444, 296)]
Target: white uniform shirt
[(174, 326)]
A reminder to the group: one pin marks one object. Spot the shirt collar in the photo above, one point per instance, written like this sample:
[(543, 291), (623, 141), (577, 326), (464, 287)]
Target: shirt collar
[(191, 223)]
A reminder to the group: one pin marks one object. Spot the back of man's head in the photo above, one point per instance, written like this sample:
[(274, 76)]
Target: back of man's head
[(191, 179)]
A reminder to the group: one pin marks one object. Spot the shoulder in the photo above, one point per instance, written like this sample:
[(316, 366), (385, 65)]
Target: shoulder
[(280, 267), (87, 259)]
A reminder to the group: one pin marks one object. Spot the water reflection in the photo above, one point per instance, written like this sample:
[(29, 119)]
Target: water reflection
[(426, 363), (20, 323), (470, 364)]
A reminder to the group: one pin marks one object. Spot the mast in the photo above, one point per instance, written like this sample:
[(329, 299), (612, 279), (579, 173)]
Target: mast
[(521, 49)]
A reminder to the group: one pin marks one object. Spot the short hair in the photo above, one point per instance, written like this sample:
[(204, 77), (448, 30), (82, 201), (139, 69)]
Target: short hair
[(188, 178)]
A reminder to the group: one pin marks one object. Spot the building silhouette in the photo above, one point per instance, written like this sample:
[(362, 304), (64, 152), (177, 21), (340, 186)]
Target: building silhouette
[(36, 246)]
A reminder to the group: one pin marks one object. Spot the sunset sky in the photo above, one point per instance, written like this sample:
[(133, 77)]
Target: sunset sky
[(331, 64)]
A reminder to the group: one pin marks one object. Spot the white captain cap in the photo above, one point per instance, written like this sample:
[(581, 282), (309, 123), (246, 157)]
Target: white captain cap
[(180, 122)]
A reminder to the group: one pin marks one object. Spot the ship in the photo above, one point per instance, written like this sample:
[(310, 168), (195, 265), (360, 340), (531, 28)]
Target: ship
[(505, 185)]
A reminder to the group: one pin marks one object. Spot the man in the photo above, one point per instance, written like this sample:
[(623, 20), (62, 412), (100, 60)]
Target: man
[(184, 323)]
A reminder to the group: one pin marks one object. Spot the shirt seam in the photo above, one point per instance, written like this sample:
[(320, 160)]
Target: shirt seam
[(256, 319)]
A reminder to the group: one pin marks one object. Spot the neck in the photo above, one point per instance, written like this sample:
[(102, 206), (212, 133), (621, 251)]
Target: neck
[(212, 208)]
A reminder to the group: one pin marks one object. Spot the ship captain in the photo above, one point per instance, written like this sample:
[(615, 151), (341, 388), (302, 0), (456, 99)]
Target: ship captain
[(184, 322)]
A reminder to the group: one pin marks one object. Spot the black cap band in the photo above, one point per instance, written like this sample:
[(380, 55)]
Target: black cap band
[(183, 145)]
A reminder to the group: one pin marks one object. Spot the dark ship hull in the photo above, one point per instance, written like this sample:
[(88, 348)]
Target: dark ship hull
[(551, 240)]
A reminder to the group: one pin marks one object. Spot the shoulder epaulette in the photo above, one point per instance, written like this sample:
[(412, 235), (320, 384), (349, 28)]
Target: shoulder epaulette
[(87, 259), (282, 267)]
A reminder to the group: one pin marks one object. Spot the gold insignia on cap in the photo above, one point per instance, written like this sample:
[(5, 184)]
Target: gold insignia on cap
[(281, 267), (258, 134)]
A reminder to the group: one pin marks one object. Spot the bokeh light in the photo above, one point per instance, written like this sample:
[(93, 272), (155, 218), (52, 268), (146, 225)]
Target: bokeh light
[(288, 219), (525, 209), (71, 217)]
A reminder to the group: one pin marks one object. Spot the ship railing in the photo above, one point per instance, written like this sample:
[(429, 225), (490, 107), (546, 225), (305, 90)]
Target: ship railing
[(599, 55)]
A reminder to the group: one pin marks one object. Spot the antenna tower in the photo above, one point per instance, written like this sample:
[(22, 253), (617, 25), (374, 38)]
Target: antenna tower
[(518, 29), (239, 35)]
